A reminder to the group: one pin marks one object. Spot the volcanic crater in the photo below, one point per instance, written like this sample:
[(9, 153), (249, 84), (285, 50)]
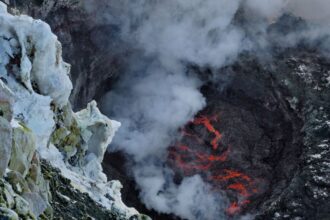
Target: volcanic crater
[(246, 143)]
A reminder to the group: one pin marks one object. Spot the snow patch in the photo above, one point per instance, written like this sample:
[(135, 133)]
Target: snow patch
[(39, 53)]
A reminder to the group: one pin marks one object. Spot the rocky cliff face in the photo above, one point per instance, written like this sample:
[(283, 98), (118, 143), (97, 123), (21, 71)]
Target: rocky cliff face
[(50, 156)]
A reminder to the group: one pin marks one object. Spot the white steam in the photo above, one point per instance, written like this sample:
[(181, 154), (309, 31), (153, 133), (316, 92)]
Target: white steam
[(158, 95), (313, 10), (151, 104)]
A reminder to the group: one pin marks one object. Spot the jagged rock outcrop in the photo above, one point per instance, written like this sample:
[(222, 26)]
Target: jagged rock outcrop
[(95, 65), (37, 122)]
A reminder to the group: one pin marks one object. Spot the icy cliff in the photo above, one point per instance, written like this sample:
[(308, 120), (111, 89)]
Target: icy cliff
[(41, 135)]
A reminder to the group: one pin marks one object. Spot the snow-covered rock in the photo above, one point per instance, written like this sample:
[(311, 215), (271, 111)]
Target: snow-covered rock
[(37, 122), (32, 45), (97, 129)]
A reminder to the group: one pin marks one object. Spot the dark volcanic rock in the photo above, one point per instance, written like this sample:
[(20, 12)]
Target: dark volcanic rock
[(274, 123), (69, 203), (258, 149), (274, 118), (303, 78)]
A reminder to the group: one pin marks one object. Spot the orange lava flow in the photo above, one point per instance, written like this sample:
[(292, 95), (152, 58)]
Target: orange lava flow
[(237, 182), (240, 188), (195, 158), (203, 120), (230, 174), (188, 159), (236, 207), (233, 209)]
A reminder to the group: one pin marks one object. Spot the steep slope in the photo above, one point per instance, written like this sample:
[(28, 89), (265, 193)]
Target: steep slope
[(39, 131)]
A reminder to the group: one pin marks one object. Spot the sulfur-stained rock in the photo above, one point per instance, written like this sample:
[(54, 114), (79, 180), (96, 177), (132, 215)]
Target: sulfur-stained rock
[(23, 149), (5, 144), (66, 136)]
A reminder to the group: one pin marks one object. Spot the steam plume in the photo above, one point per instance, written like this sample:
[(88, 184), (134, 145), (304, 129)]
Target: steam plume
[(158, 95)]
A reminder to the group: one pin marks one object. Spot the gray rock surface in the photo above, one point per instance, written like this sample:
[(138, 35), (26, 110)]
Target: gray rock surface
[(5, 144)]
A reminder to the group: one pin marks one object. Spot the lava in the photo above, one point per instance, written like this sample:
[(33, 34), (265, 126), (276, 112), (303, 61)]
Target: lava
[(230, 174), (203, 120), (236, 207), (240, 188), (188, 159), (233, 209), (195, 154)]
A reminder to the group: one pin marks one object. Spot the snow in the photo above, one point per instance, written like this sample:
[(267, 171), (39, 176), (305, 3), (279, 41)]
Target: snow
[(35, 112), (32, 43), (40, 55), (91, 116), (3, 8)]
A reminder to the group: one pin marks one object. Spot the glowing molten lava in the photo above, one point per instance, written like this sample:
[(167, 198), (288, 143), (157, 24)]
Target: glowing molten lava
[(189, 160), (235, 207), (207, 156), (208, 125)]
